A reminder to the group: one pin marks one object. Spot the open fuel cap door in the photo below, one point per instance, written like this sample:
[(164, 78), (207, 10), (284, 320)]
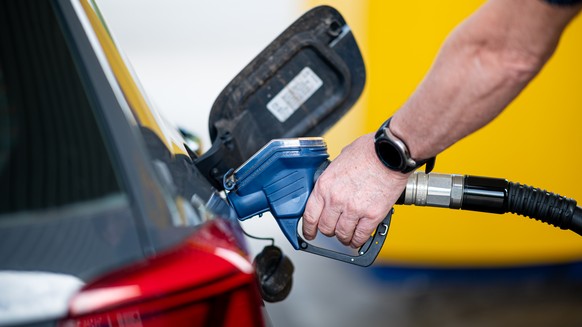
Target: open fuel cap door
[(300, 85)]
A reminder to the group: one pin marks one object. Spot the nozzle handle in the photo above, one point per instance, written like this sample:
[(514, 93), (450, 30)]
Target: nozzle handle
[(366, 254)]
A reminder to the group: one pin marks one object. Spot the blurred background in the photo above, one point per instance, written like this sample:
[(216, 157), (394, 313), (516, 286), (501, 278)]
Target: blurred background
[(438, 267)]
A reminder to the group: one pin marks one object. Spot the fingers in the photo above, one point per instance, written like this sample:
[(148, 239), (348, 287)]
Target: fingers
[(313, 210), (335, 217), (363, 232), (352, 226), (328, 220), (345, 228), (319, 213), (352, 195)]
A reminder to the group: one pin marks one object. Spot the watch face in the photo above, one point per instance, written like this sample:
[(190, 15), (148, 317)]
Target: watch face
[(389, 154), (394, 153)]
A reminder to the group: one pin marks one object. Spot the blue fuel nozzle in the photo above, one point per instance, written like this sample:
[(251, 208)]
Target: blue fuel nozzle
[(279, 178)]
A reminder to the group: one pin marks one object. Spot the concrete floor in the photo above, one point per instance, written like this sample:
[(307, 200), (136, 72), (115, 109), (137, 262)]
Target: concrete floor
[(330, 293)]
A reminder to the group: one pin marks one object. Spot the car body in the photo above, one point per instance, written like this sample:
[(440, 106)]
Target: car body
[(107, 216), (91, 191)]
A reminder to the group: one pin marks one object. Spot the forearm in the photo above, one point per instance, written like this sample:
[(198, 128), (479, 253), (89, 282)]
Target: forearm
[(484, 64)]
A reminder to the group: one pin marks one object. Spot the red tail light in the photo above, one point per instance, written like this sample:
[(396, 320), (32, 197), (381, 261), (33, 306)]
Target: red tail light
[(207, 281)]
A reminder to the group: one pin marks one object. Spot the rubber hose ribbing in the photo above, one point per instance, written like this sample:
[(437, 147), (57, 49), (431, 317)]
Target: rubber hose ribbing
[(577, 221), (544, 206)]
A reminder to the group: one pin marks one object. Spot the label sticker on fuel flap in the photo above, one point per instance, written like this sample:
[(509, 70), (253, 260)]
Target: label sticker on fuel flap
[(294, 94)]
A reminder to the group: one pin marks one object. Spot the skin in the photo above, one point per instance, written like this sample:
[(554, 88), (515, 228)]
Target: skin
[(482, 66)]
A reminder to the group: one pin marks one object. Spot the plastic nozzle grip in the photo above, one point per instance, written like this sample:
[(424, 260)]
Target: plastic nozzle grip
[(279, 179)]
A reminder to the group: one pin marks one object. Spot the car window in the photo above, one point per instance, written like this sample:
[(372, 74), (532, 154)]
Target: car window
[(62, 206), (51, 151)]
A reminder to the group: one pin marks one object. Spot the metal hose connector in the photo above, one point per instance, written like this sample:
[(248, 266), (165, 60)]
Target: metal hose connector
[(434, 190)]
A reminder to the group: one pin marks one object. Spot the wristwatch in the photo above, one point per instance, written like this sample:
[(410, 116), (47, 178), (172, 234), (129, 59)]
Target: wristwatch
[(394, 154)]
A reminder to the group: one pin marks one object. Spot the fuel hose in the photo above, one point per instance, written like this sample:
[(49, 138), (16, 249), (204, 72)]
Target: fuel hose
[(492, 195)]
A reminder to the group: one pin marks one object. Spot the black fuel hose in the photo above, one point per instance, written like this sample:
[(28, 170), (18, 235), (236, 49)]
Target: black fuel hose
[(492, 195), (544, 206)]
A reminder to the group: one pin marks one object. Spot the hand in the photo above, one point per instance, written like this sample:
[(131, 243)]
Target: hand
[(352, 195)]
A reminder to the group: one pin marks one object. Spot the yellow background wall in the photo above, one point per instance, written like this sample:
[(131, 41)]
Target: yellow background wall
[(536, 141)]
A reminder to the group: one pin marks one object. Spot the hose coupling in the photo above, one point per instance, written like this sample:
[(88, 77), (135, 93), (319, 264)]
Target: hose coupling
[(434, 190)]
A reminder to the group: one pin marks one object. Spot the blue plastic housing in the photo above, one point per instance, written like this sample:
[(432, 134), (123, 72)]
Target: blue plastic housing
[(279, 179)]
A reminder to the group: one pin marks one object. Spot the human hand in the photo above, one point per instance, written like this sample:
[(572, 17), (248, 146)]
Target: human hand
[(352, 195)]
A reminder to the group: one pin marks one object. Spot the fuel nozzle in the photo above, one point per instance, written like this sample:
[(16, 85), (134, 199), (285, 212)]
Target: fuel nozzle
[(279, 178)]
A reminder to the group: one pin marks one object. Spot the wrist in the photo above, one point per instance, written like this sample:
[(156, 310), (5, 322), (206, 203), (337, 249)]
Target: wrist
[(394, 153), (381, 171)]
